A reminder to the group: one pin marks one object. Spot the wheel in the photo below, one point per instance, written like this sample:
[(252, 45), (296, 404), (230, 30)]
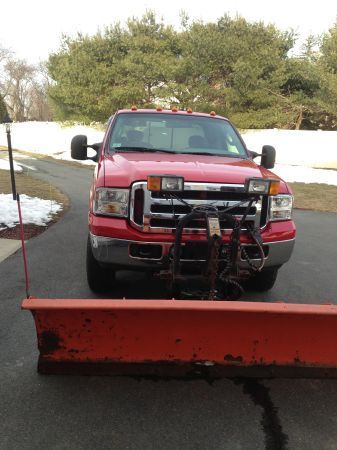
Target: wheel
[(264, 280), (100, 279)]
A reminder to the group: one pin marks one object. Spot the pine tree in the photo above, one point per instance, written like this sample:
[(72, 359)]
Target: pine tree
[(3, 111)]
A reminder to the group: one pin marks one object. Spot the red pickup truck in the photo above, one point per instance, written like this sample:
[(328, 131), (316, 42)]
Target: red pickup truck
[(154, 167)]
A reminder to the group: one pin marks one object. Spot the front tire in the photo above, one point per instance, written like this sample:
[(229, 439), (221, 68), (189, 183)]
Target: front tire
[(100, 279), (264, 280)]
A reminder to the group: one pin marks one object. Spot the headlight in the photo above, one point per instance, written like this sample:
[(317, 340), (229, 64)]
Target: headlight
[(281, 207), (111, 202)]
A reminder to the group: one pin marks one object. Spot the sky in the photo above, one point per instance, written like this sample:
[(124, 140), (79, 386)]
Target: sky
[(33, 29)]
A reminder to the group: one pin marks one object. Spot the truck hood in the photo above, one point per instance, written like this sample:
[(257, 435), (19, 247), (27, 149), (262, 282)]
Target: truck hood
[(122, 169)]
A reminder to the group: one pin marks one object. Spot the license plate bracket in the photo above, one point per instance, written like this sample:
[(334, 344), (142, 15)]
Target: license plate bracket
[(213, 225)]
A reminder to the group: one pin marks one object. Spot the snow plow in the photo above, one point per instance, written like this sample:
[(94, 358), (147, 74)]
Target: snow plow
[(204, 332), (184, 338), (218, 238)]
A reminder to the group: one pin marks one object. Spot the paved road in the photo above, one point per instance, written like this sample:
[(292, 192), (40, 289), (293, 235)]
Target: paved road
[(56, 412)]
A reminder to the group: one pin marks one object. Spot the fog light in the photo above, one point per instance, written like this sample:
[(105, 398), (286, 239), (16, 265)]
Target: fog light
[(170, 183), (262, 186)]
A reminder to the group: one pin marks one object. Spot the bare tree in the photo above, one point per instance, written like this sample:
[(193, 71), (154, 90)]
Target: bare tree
[(17, 81), (4, 52), (5, 55), (24, 88), (40, 109), (37, 105)]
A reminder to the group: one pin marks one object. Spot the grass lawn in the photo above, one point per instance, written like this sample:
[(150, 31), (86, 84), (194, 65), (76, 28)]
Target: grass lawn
[(26, 184), (316, 197)]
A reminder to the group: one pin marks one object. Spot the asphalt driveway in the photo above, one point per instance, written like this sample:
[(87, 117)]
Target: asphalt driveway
[(56, 412)]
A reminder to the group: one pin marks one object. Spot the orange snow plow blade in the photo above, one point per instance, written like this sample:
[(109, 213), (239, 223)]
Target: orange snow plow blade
[(177, 337)]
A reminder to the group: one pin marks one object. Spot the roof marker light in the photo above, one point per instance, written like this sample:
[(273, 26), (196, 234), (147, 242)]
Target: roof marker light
[(212, 113), (189, 110), (159, 108), (174, 109), (133, 108)]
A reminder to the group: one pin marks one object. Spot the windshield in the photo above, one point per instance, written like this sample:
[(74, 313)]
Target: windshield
[(175, 133)]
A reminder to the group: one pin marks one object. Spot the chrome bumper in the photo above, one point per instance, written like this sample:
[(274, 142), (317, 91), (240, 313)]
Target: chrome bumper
[(116, 253)]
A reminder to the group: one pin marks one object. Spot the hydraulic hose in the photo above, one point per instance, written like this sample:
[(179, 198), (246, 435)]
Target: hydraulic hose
[(231, 269), (199, 214), (179, 231)]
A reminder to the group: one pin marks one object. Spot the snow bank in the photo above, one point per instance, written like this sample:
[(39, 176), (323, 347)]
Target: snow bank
[(48, 138), (305, 174), (34, 210), (302, 148)]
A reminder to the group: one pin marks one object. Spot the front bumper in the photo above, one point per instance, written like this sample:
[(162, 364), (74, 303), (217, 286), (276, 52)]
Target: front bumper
[(136, 255)]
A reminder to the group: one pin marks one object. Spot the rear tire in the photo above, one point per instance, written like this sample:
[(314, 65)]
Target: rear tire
[(100, 279), (264, 280)]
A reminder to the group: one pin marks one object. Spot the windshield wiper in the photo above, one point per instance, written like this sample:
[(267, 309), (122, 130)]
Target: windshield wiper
[(227, 155), (154, 150), (141, 149)]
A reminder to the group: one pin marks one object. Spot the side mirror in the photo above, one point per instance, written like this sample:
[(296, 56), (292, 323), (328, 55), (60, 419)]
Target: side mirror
[(253, 154), (96, 146), (268, 157), (79, 146)]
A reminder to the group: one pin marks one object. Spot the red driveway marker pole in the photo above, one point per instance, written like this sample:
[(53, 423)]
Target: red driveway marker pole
[(22, 236), (17, 198)]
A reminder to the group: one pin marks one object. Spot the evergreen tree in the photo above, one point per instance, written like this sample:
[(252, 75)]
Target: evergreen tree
[(240, 69), (3, 111)]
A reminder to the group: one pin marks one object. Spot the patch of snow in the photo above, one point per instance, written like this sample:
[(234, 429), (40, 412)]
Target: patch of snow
[(4, 165), (26, 166), (17, 155), (296, 147), (304, 174), (34, 210)]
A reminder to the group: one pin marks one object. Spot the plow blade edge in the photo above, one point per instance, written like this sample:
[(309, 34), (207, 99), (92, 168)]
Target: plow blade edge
[(176, 337)]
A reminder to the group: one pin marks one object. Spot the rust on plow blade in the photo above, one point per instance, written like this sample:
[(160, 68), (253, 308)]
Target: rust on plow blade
[(176, 337)]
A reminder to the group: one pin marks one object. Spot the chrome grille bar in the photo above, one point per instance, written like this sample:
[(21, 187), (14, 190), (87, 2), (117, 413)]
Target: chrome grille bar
[(231, 190)]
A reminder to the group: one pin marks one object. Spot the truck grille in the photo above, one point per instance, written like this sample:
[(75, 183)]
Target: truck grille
[(153, 212)]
